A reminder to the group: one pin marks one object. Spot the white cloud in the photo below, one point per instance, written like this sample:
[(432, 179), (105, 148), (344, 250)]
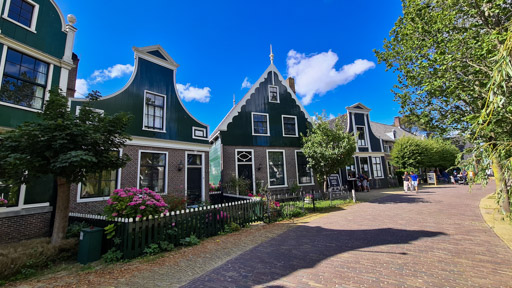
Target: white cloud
[(82, 88), (116, 71), (246, 83), (316, 74), (331, 116), (189, 93)]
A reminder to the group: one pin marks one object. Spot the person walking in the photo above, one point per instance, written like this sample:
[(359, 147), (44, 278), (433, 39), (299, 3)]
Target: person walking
[(414, 181), (407, 182)]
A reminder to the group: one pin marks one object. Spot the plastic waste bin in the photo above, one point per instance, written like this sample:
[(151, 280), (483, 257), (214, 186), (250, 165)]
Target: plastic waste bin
[(89, 249)]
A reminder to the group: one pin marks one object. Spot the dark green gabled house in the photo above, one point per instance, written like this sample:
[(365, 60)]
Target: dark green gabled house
[(259, 139), (169, 147), (36, 48)]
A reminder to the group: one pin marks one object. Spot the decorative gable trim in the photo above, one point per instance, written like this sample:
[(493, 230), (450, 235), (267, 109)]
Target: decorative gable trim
[(238, 107), (358, 107), (144, 53)]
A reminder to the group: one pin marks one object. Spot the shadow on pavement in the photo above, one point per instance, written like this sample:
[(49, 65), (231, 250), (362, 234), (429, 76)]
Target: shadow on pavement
[(300, 248), (402, 198)]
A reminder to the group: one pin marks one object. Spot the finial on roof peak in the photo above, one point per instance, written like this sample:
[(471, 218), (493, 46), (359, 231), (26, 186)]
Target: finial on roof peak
[(271, 55)]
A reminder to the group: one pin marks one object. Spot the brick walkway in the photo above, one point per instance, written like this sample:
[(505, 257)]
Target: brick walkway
[(433, 239)]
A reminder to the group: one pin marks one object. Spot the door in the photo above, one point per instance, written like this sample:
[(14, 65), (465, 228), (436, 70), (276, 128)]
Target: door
[(245, 170), (194, 176)]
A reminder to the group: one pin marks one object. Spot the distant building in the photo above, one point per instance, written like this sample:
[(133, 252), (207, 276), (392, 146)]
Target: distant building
[(37, 54), (169, 147), (374, 144), (259, 139)]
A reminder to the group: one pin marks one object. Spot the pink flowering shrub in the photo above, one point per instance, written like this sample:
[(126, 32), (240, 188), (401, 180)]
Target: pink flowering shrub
[(3, 201), (135, 203), (214, 188)]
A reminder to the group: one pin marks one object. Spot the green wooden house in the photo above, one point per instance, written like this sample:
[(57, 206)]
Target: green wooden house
[(36, 48), (169, 147), (259, 139)]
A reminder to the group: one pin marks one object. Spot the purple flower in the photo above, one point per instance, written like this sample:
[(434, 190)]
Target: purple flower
[(142, 207), (114, 214), (139, 216)]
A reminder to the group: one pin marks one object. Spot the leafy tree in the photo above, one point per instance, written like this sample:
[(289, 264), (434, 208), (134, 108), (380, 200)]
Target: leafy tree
[(409, 154), (66, 146), (440, 153), (327, 148), (444, 53)]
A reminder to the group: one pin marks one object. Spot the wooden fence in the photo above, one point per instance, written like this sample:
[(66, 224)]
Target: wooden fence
[(203, 222)]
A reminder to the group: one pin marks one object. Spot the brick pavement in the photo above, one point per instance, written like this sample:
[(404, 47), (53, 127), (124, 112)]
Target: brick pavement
[(436, 238)]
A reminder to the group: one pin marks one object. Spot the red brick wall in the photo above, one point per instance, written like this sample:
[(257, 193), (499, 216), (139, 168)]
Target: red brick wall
[(260, 157), (17, 228), (129, 176)]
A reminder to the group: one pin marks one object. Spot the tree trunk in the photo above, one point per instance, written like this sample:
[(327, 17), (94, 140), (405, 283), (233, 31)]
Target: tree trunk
[(325, 184), (60, 223), (501, 185)]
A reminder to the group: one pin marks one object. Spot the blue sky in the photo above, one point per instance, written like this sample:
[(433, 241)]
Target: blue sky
[(326, 45)]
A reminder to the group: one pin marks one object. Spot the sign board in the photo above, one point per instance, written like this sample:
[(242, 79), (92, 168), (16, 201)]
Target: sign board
[(431, 178), (334, 182)]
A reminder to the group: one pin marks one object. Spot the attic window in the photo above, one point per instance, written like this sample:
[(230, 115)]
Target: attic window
[(273, 93), (22, 12), (154, 112), (198, 133), (361, 136)]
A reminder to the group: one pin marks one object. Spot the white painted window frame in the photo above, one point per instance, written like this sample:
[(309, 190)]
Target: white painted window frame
[(355, 166), (369, 166), (166, 167), (21, 202), (202, 173), (78, 108), (296, 128), (197, 137), (246, 163), (373, 167), (365, 138), (252, 124), (273, 86), (284, 165), (79, 198), (297, 171), (164, 113), (35, 13)]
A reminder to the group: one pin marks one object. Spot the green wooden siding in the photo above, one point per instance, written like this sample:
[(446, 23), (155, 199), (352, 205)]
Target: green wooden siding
[(239, 131), (49, 38), (215, 165), (154, 78)]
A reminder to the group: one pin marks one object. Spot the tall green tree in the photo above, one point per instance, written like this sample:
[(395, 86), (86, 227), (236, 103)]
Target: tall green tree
[(409, 154), (66, 146), (444, 54), (327, 148)]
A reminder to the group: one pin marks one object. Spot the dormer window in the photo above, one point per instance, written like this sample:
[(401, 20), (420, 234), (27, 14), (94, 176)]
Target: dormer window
[(273, 94), (154, 112), (394, 134), (22, 12), (361, 136)]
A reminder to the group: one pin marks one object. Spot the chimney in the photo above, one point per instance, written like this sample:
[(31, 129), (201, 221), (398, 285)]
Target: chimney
[(291, 83), (70, 91), (397, 122)]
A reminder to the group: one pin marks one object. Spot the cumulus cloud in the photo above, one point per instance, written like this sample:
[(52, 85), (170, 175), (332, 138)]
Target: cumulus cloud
[(189, 93), (246, 83), (81, 88), (116, 71), (316, 74)]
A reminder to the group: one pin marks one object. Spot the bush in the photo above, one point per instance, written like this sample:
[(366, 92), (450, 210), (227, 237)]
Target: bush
[(175, 202), (152, 249), (135, 203), (112, 256), (190, 241), (75, 228), (233, 227), (25, 257)]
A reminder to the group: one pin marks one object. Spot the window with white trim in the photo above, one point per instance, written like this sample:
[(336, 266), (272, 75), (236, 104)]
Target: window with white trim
[(273, 93), (260, 124), (391, 170), (199, 133), (100, 185), (351, 170), (276, 169), (154, 112), (377, 167), (304, 173), (24, 80), (152, 170), (290, 126), (364, 166), (9, 195), (22, 12), (361, 136)]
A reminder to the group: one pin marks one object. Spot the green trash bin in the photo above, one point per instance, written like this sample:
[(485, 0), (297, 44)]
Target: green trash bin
[(90, 245)]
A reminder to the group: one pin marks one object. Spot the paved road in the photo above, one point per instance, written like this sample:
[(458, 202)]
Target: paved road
[(436, 238)]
